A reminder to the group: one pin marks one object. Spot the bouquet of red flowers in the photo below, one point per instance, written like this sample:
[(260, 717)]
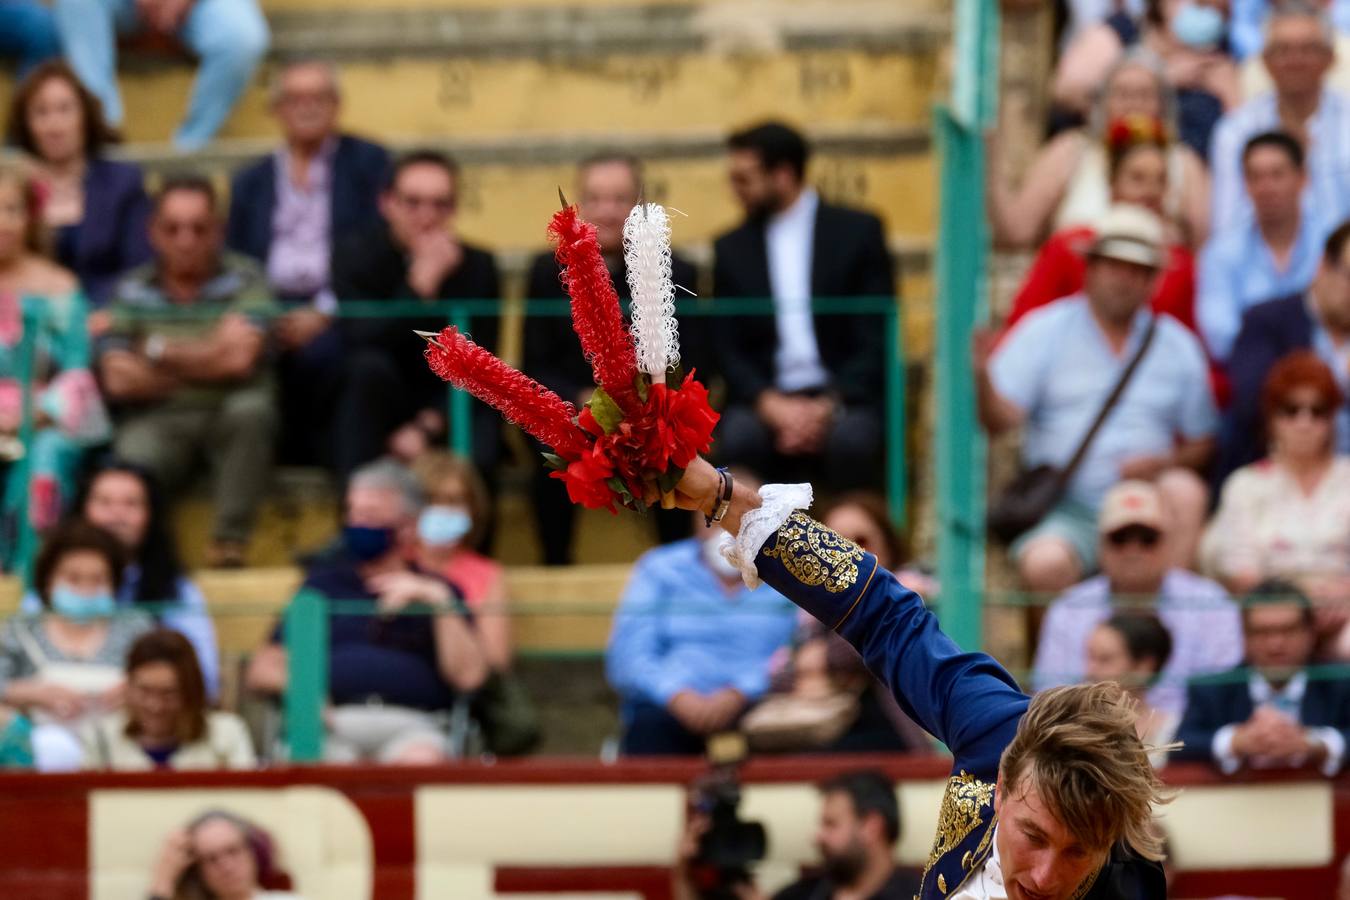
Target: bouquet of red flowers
[(645, 422)]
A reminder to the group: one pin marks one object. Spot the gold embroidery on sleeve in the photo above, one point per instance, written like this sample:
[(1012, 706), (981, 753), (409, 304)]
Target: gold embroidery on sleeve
[(815, 555)]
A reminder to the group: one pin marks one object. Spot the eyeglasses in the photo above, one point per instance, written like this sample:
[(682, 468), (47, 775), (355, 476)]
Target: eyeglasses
[(1307, 49), (229, 851), (1134, 534), (438, 204), (1294, 410), (196, 229)]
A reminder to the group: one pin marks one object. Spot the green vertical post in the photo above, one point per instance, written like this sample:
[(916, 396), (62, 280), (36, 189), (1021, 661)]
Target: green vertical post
[(25, 537), (895, 418), (461, 404), (962, 258), (307, 675)]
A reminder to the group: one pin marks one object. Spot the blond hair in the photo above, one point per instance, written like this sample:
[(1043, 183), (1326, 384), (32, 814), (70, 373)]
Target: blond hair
[(1079, 747)]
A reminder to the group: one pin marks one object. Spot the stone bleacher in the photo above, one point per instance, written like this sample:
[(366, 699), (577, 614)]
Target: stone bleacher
[(522, 90)]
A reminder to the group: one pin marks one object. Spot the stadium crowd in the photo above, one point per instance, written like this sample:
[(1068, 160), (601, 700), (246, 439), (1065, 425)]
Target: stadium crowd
[(1179, 352)]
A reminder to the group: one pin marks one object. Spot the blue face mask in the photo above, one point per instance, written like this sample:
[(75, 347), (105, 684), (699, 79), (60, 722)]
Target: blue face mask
[(1199, 27), (366, 543), (443, 526), (82, 607)]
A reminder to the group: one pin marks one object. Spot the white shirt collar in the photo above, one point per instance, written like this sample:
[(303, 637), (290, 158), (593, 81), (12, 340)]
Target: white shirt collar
[(802, 210)]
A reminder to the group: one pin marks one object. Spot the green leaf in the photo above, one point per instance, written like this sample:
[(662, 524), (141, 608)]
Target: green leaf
[(554, 461), (642, 382), (606, 412), (668, 479)]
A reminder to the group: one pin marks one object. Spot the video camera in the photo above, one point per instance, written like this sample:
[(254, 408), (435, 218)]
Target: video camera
[(730, 846)]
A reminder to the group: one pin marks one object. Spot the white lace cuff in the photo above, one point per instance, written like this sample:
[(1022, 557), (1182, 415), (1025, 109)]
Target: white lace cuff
[(777, 503)]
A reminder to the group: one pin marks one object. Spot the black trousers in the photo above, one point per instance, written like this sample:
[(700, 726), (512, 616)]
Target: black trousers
[(850, 460)]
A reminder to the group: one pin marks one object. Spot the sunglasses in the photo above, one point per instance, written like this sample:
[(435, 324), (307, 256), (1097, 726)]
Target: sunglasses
[(1134, 534), (1294, 410)]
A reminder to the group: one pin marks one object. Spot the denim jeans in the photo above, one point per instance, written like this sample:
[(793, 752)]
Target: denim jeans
[(229, 36), (28, 33)]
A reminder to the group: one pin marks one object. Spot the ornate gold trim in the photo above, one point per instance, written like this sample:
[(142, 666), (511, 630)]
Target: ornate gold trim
[(815, 555)]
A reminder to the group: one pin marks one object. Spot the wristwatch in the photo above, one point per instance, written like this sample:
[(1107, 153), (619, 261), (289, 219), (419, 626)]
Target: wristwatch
[(153, 348), (723, 502)]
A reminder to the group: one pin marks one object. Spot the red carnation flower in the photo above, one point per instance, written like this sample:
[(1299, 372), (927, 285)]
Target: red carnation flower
[(691, 420)]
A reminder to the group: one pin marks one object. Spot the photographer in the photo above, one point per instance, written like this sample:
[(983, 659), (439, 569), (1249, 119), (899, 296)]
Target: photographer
[(859, 827)]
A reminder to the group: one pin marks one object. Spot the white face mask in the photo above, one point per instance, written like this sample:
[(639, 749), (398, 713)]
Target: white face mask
[(712, 555)]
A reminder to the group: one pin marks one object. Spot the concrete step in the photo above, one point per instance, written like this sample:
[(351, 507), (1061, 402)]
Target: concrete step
[(507, 70), (447, 92)]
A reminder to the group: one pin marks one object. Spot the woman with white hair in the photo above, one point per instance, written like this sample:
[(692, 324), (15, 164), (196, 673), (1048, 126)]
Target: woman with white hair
[(1068, 183), (218, 856)]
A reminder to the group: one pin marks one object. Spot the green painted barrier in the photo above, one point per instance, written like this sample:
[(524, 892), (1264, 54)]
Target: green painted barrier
[(306, 622)]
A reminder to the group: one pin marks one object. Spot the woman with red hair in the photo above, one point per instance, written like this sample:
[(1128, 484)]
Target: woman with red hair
[(1288, 516)]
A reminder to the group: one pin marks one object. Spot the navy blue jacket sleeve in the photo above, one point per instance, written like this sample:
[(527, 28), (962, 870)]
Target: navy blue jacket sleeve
[(966, 700)]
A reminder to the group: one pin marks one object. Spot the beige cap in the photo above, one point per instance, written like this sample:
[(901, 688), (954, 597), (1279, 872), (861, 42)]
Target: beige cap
[(1131, 503), (1131, 234)]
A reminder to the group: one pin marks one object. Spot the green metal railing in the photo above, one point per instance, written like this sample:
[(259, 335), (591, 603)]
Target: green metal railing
[(962, 259)]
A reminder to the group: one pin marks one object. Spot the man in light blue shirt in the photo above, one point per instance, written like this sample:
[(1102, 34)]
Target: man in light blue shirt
[(1052, 375), (1273, 255), (690, 647), (1298, 55)]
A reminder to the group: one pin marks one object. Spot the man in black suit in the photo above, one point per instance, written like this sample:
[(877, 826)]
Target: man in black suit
[(1273, 711), (608, 186), (1319, 320), (804, 388), (390, 401), (288, 210)]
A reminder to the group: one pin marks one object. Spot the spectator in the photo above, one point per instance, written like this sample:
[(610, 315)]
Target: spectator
[(1131, 648), (1298, 54), (228, 36), (1138, 574), (1288, 516), (856, 837), (1188, 38), (1270, 712), (96, 208), (28, 33), (66, 665), (69, 414), (390, 675), (1317, 319), (690, 647), (186, 362), (610, 185), (288, 210), (122, 499), (166, 724), (390, 400), (803, 390), (1250, 20), (1048, 378), (450, 537), (450, 531), (823, 665), (1137, 152), (218, 856), (1271, 255), (1068, 182)]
